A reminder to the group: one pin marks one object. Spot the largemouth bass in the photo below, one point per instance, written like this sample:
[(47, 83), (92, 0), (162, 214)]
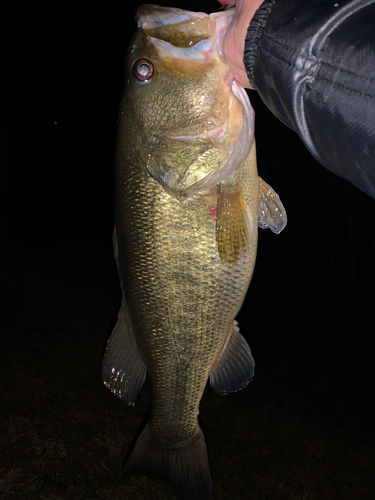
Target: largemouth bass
[(188, 202)]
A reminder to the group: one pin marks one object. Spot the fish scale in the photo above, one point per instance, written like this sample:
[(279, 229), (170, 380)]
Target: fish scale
[(194, 294), (187, 194)]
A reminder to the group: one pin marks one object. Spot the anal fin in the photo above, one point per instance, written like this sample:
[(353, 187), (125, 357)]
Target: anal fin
[(123, 369), (235, 367)]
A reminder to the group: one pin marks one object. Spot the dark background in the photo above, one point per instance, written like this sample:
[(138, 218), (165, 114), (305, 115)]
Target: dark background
[(309, 314)]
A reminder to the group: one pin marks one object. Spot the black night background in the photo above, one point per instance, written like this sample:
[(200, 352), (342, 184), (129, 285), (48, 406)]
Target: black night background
[(303, 428)]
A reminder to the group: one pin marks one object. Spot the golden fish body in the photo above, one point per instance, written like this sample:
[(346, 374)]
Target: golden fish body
[(187, 205)]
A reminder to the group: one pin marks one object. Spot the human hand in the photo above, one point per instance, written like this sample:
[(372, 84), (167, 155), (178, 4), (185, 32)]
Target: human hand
[(234, 40)]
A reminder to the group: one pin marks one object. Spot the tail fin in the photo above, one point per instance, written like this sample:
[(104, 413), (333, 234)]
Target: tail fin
[(187, 469)]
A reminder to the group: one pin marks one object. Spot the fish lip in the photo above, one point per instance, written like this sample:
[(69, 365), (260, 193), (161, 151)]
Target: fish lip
[(222, 18), (175, 15), (171, 16)]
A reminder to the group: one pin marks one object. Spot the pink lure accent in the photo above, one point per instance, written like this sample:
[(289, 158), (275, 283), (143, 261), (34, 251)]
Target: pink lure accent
[(213, 212)]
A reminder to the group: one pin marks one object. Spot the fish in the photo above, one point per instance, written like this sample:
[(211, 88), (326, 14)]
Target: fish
[(188, 203)]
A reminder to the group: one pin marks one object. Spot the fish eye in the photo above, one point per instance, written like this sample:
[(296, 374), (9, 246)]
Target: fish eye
[(143, 70)]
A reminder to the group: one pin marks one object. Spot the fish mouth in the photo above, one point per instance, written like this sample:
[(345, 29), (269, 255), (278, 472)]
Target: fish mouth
[(183, 28), (195, 36)]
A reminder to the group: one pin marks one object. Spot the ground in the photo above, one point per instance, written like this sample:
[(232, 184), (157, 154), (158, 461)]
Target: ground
[(291, 434), (303, 429)]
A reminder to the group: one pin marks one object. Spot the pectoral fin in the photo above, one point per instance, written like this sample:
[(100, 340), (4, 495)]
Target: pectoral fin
[(271, 212), (235, 367), (123, 369), (232, 225)]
